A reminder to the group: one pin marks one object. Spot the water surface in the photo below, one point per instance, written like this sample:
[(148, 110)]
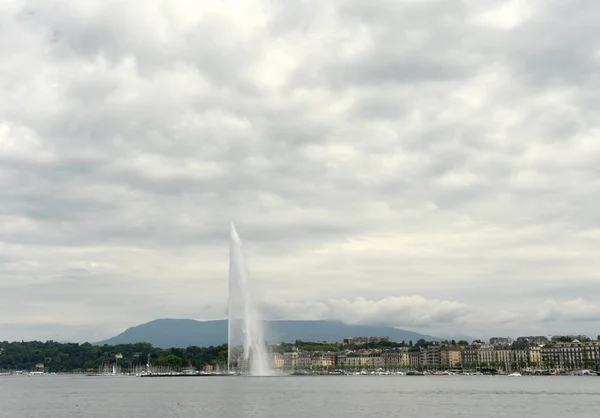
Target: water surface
[(299, 396)]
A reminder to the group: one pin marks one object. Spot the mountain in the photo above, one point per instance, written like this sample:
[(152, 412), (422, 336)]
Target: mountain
[(166, 333)]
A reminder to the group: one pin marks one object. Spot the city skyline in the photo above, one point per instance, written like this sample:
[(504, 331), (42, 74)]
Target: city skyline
[(432, 166)]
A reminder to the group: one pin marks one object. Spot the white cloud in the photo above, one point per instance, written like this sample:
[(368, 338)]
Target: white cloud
[(367, 152), (574, 310), (406, 311), (508, 14)]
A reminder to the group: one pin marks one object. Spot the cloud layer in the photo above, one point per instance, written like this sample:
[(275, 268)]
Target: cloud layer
[(427, 164)]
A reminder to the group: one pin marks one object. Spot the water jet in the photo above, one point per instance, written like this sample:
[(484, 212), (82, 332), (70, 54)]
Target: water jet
[(247, 350)]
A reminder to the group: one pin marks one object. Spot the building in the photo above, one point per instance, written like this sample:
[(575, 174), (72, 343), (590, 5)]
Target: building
[(290, 360), (414, 357), (396, 359), (365, 340), (340, 358), (534, 356), (431, 356), (450, 356), (532, 340), (569, 338), (571, 355), (278, 361), (501, 341), (468, 356), (513, 357), (322, 359), (365, 360), (304, 360), (478, 356), (504, 358)]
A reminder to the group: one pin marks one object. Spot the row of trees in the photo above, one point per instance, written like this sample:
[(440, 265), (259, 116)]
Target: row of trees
[(68, 357)]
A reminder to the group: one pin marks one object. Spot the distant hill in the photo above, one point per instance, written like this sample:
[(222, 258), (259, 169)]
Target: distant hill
[(166, 333)]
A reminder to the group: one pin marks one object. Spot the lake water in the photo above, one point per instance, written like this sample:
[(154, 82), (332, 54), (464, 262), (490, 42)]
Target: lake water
[(299, 396)]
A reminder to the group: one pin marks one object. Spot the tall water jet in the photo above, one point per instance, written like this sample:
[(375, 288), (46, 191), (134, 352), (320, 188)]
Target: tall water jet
[(247, 351)]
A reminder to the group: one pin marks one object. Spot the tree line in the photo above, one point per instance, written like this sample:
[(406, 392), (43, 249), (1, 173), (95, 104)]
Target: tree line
[(74, 357)]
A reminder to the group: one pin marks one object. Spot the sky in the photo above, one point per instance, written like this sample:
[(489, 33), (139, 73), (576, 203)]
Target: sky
[(432, 165)]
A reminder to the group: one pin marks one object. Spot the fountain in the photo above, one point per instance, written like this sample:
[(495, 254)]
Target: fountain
[(247, 351)]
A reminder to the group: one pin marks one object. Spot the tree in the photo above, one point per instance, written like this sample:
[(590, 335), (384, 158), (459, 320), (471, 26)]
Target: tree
[(423, 343), (170, 360), (463, 343), (59, 357)]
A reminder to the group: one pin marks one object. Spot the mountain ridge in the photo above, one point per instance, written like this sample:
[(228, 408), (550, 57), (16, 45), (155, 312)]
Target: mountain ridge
[(182, 333)]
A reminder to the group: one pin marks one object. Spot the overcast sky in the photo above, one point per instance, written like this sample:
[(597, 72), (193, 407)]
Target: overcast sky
[(428, 164)]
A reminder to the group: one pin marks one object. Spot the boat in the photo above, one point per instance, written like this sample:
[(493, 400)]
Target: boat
[(515, 374), (415, 373)]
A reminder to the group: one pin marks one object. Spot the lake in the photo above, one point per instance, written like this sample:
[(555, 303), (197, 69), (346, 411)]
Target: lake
[(299, 396)]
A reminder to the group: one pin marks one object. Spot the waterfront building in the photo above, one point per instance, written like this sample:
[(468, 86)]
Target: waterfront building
[(508, 358), (396, 359), (534, 356), (521, 358), (340, 358), (355, 360), (469, 356), (431, 357), (571, 355), (322, 359), (414, 357), (304, 360), (278, 361), (450, 356), (290, 360), (503, 357), (365, 360), (478, 355), (524, 353)]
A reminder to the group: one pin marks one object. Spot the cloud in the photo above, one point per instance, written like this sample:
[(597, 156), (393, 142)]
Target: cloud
[(442, 317), (403, 161), (407, 311), (574, 310)]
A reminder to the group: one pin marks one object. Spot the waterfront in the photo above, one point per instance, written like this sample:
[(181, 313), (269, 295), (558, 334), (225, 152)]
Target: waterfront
[(333, 396)]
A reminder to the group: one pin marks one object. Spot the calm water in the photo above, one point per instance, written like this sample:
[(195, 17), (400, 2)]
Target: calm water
[(301, 396)]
